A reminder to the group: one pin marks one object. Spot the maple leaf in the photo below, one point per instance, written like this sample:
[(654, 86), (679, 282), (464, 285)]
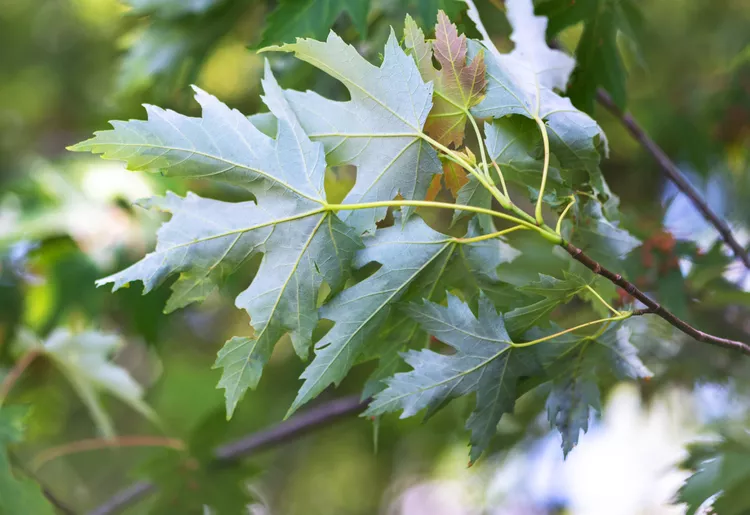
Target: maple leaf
[(206, 240), (569, 407), (458, 86), (469, 268), (524, 81), (404, 251), (576, 366), (379, 130), (484, 363)]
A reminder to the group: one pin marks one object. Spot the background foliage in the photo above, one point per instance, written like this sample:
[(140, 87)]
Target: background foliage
[(67, 220)]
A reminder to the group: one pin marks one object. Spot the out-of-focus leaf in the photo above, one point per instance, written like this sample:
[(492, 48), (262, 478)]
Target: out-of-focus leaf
[(167, 53), (85, 359), (18, 495), (190, 481), (598, 60), (172, 8), (722, 471), (311, 19)]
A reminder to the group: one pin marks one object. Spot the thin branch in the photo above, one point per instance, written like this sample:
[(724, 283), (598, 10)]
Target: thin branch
[(123, 498), (673, 173), (283, 432), (653, 306), (18, 369), (46, 492), (94, 444), (54, 501)]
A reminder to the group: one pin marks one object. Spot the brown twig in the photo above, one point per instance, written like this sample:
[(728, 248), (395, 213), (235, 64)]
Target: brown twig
[(675, 175), (288, 430), (10, 380), (652, 306), (93, 444)]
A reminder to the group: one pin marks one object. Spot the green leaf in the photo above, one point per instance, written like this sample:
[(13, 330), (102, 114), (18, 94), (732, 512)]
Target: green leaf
[(569, 406), (600, 238), (172, 45), (459, 85), (427, 10), (598, 59), (17, 493), (470, 268), (379, 130), (85, 359), (222, 145), (524, 81), (311, 18), (404, 251), (576, 365), (515, 144), (553, 292), (484, 363)]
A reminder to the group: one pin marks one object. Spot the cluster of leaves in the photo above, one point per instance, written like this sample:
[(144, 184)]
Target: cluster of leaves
[(397, 130)]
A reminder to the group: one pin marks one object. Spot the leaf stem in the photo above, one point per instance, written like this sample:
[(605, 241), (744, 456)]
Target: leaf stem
[(18, 369), (482, 152), (545, 170), (613, 310), (491, 235), (458, 159), (558, 228), (599, 332), (548, 235), (621, 316), (502, 181)]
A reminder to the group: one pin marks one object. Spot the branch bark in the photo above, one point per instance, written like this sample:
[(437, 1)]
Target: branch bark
[(673, 174), (653, 307), (230, 452)]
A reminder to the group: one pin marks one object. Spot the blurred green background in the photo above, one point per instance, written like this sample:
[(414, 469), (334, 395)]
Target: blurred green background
[(67, 66)]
